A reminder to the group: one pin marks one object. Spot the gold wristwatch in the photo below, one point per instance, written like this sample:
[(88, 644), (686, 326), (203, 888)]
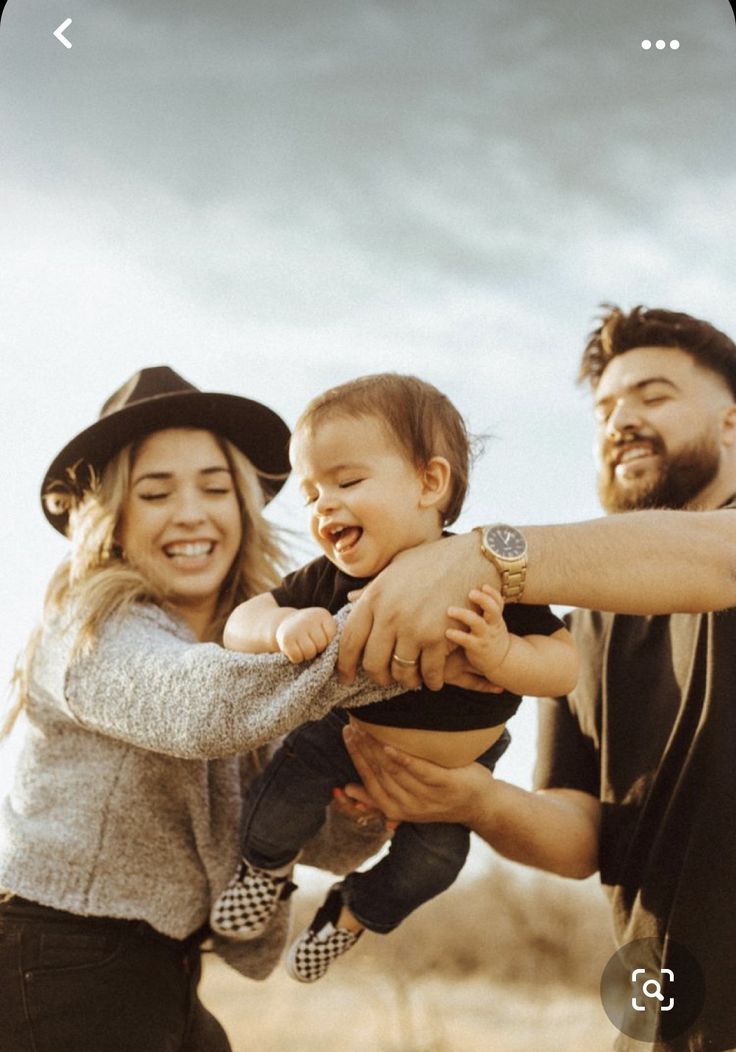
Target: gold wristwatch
[(505, 547)]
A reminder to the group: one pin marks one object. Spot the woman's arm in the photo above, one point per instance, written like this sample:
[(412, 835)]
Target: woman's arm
[(555, 829), (146, 682)]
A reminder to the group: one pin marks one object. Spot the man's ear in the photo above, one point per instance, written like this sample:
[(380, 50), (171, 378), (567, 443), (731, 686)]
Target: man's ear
[(436, 476), (728, 426)]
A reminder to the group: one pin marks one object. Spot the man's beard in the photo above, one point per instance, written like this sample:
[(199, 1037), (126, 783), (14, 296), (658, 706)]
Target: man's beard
[(679, 480)]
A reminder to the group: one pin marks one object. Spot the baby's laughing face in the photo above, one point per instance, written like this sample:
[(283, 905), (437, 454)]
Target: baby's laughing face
[(366, 498)]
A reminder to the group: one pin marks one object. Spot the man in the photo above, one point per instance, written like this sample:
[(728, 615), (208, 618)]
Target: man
[(637, 768)]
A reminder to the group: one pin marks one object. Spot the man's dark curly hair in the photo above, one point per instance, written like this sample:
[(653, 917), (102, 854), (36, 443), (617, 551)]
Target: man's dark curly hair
[(619, 332)]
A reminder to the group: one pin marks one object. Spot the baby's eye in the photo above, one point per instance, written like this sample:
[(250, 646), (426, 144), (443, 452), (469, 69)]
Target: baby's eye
[(218, 489), (153, 496), (350, 482)]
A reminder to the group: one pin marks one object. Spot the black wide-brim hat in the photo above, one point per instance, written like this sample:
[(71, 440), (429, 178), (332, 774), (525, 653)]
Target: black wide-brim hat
[(154, 399)]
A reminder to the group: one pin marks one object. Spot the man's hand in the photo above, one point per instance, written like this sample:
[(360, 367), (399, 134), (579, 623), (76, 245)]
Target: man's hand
[(404, 612), (305, 633), (407, 789), (554, 829)]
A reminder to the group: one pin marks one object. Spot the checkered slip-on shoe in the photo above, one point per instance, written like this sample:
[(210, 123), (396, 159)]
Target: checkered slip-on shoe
[(321, 943), (245, 908)]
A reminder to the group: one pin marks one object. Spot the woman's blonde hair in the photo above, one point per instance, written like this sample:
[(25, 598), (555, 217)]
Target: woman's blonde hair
[(95, 582)]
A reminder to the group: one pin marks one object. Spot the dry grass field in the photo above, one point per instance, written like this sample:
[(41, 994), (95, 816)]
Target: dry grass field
[(500, 963), (368, 1012)]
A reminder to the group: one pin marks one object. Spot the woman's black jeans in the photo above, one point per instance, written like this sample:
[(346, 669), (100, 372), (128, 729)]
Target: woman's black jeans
[(87, 984)]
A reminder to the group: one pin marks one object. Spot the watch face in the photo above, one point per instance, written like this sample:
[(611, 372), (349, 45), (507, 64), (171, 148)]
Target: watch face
[(505, 542)]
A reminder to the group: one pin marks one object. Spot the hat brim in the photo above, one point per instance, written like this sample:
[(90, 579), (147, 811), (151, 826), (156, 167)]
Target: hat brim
[(255, 429)]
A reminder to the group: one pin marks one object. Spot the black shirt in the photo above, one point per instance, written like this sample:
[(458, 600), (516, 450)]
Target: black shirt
[(320, 583), (650, 730)]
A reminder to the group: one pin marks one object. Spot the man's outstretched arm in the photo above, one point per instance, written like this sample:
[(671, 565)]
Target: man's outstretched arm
[(643, 562)]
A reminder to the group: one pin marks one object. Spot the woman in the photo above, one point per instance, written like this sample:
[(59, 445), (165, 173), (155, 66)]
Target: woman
[(123, 820)]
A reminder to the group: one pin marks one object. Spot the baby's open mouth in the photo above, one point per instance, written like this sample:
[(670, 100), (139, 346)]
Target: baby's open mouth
[(343, 538)]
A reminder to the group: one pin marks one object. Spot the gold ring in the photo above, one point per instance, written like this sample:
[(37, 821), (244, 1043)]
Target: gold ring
[(404, 661)]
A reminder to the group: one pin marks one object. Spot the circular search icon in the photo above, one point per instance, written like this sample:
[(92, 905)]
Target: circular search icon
[(650, 998)]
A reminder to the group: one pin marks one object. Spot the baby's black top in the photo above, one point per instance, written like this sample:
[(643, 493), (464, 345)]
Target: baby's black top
[(319, 583)]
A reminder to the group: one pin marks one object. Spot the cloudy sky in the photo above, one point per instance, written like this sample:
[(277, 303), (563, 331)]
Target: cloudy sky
[(275, 197)]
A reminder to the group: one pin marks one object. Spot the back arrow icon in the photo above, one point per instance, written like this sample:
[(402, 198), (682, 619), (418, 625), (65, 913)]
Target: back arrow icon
[(59, 33)]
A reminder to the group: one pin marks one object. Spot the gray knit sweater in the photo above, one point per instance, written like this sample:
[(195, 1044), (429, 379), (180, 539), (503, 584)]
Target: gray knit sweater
[(128, 792)]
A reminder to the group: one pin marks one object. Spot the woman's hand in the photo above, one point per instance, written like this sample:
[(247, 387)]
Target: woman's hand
[(407, 789)]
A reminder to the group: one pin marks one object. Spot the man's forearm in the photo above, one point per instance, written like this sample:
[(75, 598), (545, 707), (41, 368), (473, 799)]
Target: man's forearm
[(555, 830), (643, 562)]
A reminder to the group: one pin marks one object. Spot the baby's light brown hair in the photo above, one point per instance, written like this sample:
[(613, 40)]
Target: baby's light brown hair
[(420, 419)]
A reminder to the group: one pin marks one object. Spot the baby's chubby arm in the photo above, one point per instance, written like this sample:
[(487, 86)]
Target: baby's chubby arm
[(534, 665), (261, 626)]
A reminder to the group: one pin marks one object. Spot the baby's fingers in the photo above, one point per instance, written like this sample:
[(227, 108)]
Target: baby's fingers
[(292, 651), (466, 640), (490, 590), (309, 648), (329, 631), (466, 617), (489, 601)]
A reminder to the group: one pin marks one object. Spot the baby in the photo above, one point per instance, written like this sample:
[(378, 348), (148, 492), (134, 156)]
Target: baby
[(383, 463)]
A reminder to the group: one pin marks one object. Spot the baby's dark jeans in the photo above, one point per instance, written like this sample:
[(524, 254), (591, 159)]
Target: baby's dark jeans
[(286, 807)]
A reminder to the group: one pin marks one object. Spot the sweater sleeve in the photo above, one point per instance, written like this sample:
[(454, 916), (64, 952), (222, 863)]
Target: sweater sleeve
[(150, 684)]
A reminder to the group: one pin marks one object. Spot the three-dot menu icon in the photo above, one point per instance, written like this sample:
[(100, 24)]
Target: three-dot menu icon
[(660, 45)]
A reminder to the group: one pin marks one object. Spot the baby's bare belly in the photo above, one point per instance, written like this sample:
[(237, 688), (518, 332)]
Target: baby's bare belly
[(448, 748)]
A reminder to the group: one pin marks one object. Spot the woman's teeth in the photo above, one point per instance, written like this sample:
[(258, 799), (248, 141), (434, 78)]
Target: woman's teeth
[(189, 549)]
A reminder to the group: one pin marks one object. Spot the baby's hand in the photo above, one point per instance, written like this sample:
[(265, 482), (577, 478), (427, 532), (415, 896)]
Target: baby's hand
[(305, 633), (461, 673), (486, 641)]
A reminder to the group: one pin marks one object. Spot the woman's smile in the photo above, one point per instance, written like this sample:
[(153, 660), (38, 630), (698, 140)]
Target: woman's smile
[(181, 522)]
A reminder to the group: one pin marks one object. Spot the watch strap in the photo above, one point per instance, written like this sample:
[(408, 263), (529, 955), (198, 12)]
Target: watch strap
[(512, 571)]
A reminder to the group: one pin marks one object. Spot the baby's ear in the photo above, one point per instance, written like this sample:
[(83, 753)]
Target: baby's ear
[(728, 426), (436, 477)]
